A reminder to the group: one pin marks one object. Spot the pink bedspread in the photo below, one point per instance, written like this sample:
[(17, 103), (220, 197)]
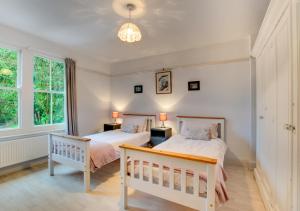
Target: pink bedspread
[(102, 153)]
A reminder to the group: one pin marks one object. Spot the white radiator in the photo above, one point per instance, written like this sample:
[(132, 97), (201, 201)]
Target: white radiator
[(21, 150)]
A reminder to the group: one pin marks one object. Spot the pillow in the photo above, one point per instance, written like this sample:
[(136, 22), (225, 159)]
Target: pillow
[(199, 131), (196, 133), (130, 128), (214, 131), (138, 121)]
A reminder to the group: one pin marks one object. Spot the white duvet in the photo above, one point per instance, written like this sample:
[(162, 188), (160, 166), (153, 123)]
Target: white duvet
[(117, 137), (214, 148)]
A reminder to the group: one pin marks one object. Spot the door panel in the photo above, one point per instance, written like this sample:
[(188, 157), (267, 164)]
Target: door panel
[(270, 142), (283, 115), (274, 97)]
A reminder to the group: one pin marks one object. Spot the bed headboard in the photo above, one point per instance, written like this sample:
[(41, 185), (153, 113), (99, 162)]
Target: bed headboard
[(150, 119), (210, 120)]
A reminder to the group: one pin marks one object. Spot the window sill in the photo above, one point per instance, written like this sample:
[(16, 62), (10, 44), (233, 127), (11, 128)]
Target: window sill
[(20, 133)]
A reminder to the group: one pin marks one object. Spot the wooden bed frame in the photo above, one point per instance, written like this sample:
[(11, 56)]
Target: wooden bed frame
[(173, 161), (74, 151)]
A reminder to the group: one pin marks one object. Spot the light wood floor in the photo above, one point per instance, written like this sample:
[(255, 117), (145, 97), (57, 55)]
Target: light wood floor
[(32, 189)]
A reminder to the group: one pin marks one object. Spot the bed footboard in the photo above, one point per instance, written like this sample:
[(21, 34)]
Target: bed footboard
[(70, 150), (168, 175)]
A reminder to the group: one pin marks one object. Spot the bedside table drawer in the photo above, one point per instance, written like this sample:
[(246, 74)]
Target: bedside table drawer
[(108, 127)]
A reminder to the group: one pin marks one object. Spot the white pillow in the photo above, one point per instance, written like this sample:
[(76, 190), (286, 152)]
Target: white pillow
[(199, 131), (196, 133), (130, 128), (214, 132), (140, 122)]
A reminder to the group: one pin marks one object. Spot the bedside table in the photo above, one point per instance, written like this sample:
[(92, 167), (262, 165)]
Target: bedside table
[(112, 126), (159, 135)]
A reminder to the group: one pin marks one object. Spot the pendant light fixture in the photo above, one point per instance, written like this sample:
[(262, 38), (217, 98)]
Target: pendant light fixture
[(129, 32)]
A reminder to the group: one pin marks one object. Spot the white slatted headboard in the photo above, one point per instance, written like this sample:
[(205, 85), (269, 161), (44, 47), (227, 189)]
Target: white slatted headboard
[(206, 120)]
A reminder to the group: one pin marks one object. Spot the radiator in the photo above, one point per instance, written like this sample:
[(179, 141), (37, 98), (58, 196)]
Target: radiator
[(21, 150)]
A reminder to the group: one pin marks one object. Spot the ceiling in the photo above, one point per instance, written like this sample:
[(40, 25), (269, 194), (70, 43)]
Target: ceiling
[(90, 26)]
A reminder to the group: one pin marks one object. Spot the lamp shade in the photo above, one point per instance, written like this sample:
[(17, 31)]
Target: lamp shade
[(115, 114), (129, 32), (163, 117)]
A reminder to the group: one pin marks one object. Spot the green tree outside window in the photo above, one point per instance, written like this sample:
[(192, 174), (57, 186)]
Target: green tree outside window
[(8, 88), (49, 86)]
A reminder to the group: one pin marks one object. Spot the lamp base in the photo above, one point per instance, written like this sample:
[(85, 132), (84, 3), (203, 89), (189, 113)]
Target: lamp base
[(163, 124)]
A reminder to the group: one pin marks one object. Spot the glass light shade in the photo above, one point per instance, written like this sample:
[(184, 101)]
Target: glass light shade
[(115, 114), (163, 117), (129, 32)]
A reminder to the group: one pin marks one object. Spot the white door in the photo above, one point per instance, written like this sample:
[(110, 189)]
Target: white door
[(269, 122), (284, 153)]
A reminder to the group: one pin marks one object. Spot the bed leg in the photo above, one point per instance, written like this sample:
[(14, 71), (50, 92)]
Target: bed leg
[(50, 161), (87, 180), (50, 166), (124, 188), (211, 185), (124, 198), (87, 170)]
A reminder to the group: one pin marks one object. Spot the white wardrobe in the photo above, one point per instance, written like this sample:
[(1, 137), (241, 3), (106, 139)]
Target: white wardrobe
[(276, 52)]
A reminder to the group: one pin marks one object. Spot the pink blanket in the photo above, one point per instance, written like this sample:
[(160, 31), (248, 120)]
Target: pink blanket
[(101, 154)]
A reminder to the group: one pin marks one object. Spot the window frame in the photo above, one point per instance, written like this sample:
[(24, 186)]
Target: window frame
[(17, 88), (50, 91)]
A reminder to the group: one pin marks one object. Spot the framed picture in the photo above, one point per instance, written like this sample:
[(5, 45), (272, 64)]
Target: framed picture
[(194, 85), (163, 82), (138, 89)]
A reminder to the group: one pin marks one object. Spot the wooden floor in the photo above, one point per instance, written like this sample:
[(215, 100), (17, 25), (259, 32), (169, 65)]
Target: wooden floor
[(32, 189)]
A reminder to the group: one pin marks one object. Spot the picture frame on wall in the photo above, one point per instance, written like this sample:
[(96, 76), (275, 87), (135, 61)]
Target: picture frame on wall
[(138, 89), (163, 82), (194, 85)]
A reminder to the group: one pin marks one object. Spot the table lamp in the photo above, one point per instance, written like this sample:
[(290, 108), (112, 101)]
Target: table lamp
[(163, 117), (115, 115)]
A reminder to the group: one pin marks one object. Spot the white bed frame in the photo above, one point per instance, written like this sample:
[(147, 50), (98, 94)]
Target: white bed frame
[(79, 160), (184, 162)]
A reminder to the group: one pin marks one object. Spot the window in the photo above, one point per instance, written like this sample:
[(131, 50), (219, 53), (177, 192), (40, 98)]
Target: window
[(9, 88), (49, 91)]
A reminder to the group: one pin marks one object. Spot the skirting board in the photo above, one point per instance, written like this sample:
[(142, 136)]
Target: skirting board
[(269, 204), (244, 163), (21, 166)]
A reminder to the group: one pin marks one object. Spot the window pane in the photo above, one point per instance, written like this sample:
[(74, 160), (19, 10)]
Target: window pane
[(58, 108), (58, 76), (8, 68), (9, 109), (41, 75), (41, 108)]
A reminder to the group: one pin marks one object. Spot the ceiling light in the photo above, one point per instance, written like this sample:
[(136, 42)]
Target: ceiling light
[(129, 32)]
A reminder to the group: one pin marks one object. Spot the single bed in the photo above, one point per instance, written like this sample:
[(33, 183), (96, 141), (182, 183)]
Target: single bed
[(186, 171), (91, 152)]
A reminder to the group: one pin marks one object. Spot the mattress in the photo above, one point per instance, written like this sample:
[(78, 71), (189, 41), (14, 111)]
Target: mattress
[(117, 137), (215, 148)]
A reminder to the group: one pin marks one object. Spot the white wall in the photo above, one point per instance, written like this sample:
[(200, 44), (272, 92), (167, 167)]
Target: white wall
[(226, 91), (93, 90), (93, 83), (218, 53)]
